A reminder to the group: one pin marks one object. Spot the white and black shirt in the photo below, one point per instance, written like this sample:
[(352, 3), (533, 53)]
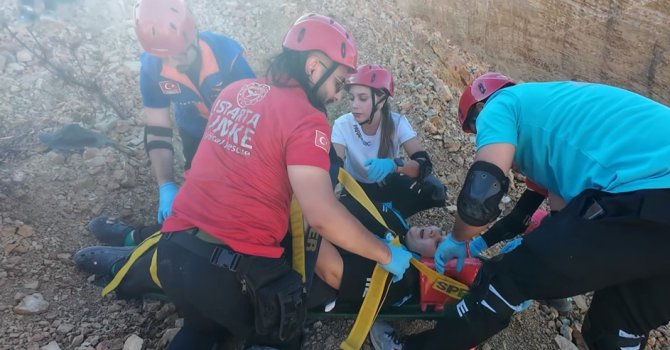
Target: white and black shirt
[(360, 147)]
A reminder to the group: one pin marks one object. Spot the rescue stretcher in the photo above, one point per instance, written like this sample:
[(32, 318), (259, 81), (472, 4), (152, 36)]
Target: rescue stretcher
[(435, 289), (428, 305)]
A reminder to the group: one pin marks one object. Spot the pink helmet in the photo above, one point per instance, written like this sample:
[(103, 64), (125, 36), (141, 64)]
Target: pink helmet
[(164, 27), (374, 76), (322, 33), (480, 89)]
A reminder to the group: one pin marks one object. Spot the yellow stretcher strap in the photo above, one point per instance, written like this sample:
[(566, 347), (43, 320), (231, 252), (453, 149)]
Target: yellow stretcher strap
[(369, 310), (298, 239), (153, 269), (373, 300), (137, 252), (354, 188), (378, 286), (441, 283)]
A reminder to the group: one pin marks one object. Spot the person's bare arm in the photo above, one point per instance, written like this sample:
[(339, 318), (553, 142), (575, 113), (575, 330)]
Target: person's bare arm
[(340, 150), (499, 154), (161, 159), (325, 214), (411, 167)]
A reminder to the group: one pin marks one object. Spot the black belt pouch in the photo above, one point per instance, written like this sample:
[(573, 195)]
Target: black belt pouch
[(278, 296)]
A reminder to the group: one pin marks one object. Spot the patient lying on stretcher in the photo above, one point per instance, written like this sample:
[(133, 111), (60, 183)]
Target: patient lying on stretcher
[(339, 275), (345, 277)]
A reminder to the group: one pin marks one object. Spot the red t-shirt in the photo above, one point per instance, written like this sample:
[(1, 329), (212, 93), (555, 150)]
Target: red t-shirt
[(238, 188)]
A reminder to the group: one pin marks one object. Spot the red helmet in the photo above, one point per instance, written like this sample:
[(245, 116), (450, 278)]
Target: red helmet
[(164, 27), (322, 33), (374, 76), (480, 89)]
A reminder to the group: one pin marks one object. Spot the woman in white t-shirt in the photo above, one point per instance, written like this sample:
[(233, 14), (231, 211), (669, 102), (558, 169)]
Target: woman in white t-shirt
[(369, 139)]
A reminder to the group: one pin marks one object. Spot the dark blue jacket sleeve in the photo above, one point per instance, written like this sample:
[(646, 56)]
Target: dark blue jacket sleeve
[(152, 96)]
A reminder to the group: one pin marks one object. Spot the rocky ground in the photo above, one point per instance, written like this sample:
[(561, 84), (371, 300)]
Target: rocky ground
[(47, 197)]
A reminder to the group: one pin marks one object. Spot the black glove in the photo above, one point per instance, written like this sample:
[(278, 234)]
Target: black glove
[(516, 221)]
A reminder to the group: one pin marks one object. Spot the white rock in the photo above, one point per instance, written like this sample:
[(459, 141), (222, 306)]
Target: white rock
[(566, 332), (14, 67), (24, 56), (167, 336), (32, 285), (96, 162), (76, 341), (31, 305), (64, 256), (19, 176), (51, 346), (65, 328), (564, 344), (90, 153), (580, 301), (133, 343), (56, 158)]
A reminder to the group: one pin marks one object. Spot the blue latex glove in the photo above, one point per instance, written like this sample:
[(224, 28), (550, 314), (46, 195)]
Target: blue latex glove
[(390, 236), (167, 192), (477, 246), (379, 168), (399, 262), (511, 245), (523, 306), (448, 249)]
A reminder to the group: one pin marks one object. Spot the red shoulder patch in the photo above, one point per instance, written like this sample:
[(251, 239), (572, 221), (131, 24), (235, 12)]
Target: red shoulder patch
[(321, 140)]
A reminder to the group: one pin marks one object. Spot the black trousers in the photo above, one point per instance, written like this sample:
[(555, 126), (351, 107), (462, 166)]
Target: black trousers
[(209, 298), (356, 279), (613, 244), (408, 195)]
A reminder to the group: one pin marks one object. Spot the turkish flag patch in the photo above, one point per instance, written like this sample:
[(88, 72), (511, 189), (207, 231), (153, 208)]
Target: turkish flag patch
[(169, 87), (321, 140)]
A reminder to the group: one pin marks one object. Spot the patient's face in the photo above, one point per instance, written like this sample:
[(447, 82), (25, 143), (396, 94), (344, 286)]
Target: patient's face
[(424, 240)]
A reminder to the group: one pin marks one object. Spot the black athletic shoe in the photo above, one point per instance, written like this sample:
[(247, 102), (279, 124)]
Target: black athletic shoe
[(109, 230), (100, 260)]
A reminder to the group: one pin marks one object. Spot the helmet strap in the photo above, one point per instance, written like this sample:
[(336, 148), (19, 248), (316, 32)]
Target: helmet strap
[(312, 92), (374, 106), (329, 71)]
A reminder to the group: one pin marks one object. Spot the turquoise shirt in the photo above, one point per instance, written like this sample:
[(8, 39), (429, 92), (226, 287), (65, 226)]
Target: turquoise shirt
[(571, 136)]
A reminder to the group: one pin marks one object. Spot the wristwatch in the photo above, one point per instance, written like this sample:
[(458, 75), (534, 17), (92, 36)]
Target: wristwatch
[(399, 163)]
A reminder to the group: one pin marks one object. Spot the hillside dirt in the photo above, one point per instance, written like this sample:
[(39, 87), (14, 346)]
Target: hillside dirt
[(47, 197)]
